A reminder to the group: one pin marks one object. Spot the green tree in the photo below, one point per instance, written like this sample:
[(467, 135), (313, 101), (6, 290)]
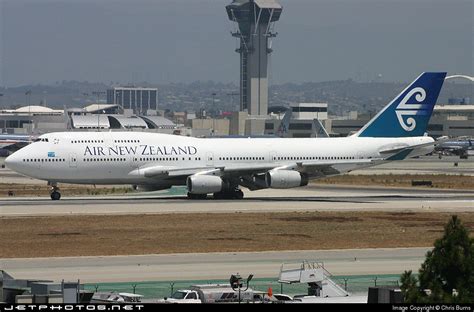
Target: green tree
[(448, 270), (409, 287)]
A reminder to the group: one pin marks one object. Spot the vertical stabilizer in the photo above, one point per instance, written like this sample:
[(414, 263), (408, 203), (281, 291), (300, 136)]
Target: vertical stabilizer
[(409, 113)]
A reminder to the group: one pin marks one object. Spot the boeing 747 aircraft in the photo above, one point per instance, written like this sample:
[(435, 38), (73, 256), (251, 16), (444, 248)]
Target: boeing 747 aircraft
[(220, 167)]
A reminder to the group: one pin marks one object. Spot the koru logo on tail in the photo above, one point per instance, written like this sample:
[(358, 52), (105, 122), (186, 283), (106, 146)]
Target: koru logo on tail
[(405, 109)]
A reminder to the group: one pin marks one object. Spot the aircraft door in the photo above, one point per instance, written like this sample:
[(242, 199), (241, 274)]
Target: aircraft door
[(273, 156), (209, 159), (72, 161)]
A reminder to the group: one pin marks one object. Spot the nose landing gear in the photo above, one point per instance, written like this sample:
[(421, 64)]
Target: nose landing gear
[(54, 191)]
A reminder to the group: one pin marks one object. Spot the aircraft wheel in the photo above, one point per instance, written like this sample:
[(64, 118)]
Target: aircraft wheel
[(197, 196), (229, 194), (218, 195), (239, 194), (55, 195)]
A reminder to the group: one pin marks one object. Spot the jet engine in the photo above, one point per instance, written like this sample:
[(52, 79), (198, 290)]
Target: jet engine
[(282, 179), (204, 184)]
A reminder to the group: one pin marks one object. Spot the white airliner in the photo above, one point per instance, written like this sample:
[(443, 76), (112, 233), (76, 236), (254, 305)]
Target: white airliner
[(153, 161)]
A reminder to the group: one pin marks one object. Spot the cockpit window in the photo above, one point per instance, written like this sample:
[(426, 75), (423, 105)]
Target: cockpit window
[(41, 140)]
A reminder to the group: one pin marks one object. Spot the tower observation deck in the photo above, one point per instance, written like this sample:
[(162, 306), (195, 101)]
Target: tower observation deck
[(255, 20)]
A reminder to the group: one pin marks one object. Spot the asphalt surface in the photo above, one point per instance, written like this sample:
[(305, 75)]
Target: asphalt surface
[(262, 264), (311, 198), (200, 266)]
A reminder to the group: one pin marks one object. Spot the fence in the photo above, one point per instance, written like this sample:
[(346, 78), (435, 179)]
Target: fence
[(353, 284)]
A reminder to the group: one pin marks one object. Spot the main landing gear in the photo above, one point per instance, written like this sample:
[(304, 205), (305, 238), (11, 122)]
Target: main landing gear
[(197, 196), (54, 191), (224, 194), (229, 194)]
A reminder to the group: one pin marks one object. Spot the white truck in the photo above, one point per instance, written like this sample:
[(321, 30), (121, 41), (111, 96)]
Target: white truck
[(214, 293)]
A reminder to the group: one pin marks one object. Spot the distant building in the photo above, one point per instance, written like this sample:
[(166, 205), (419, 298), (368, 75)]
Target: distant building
[(25, 119), (302, 123), (102, 109), (210, 127), (141, 101), (452, 120), (310, 111), (296, 129), (40, 119), (447, 120), (459, 101)]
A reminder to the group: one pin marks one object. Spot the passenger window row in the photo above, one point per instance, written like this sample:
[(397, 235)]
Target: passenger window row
[(126, 141), (87, 141), (164, 158), (314, 158), (44, 160), (104, 159), (241, 158)]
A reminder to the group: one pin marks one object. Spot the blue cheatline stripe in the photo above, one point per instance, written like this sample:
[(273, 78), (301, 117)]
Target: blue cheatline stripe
[(401, 155)]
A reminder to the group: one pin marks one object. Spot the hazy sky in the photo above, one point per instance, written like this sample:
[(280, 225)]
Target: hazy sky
[(161, 41)]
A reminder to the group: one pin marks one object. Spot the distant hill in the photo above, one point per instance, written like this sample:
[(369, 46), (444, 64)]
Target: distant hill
[(342, 96)]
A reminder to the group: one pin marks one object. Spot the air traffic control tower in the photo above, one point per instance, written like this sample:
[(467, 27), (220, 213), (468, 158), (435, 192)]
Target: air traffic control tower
[(255, 20)]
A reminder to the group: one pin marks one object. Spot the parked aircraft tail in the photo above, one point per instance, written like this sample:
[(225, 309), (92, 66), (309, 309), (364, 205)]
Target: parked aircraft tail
[(285, 124)]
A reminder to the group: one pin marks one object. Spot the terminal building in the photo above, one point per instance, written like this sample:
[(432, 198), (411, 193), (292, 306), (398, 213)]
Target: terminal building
[(451, 120), (310, 111), (40, 119), (137, 100), (302, 123)]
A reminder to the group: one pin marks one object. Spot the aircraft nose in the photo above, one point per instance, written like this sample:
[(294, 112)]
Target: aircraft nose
[(12, 161)]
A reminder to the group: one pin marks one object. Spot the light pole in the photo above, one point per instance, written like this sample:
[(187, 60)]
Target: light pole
[(27, 99), (237, 282), (232, 99), (45, 94), (1, 106), (98, 93)]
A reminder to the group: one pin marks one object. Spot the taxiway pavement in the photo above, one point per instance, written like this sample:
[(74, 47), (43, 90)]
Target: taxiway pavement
[(202, 266), (310, 198)]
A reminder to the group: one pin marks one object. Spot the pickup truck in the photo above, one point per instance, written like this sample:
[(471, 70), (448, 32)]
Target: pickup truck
[(183, 296), (210, 293)]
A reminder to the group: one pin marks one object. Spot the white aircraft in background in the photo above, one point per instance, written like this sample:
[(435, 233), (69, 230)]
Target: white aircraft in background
[(208, 166), (13, 142)]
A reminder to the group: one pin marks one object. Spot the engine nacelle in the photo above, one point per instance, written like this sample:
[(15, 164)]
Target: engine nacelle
[(283, 179), (204, 184), (151, 187)]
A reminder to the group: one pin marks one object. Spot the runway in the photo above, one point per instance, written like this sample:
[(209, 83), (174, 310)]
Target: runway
[(311, 198), (200, 266)]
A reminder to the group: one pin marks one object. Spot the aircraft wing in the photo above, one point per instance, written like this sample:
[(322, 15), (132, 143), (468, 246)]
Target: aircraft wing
[(245, 174), (234, 170), (325, 168)]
